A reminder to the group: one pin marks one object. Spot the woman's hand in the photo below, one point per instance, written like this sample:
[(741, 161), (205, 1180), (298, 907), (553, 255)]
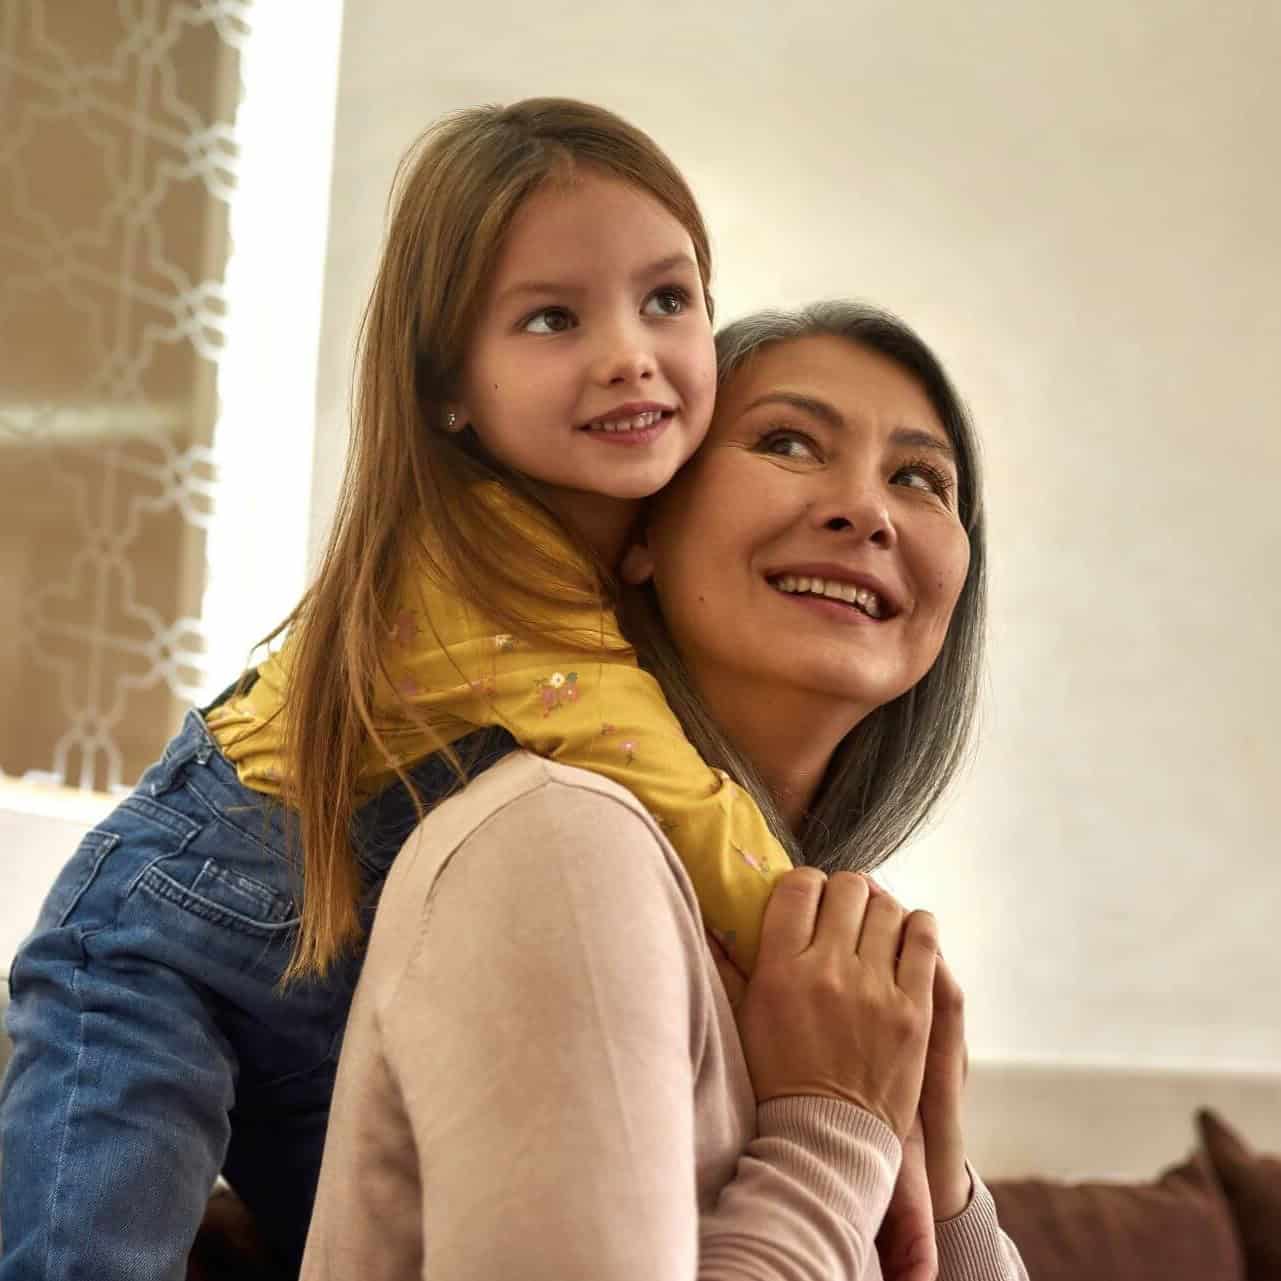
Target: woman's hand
[(905, 1243), (840, 1002), (946, 1066)]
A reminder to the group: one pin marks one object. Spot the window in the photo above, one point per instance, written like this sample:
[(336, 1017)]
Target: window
[(155, 471)]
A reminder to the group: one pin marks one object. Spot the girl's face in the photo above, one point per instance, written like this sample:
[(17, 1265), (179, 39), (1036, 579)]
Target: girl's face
[(592, 368), (812, 550)]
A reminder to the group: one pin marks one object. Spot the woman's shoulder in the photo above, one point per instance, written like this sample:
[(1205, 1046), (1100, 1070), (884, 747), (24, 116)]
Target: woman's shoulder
[(549, 797), (538, 868), (531, 821)]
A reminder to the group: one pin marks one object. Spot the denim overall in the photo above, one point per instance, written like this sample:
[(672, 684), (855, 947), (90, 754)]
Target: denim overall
[(153, 1049)]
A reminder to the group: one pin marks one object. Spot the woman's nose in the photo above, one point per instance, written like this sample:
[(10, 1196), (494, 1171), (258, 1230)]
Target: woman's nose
[(860, 512)]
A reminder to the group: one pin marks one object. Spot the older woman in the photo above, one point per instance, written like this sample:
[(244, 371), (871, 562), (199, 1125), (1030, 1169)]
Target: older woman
[(543, 1073)]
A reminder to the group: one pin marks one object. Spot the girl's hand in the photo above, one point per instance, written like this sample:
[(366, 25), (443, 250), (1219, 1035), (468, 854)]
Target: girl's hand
[(946, 1067), (840, 1001)]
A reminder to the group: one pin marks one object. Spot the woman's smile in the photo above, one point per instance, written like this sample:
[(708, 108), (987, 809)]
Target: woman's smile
[(835, 583), (812, 552), (828, 604)]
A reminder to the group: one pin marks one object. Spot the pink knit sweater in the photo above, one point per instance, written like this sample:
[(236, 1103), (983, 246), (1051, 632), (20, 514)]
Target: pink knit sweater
[(542, 1076)]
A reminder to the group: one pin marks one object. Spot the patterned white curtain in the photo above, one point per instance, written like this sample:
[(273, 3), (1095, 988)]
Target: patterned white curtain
[(118, 160)]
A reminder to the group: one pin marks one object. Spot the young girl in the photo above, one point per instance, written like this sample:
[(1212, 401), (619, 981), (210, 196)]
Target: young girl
[(537, 359), (492, 486)]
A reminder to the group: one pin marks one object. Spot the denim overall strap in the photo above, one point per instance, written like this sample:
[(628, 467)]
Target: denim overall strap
[(385, 823)]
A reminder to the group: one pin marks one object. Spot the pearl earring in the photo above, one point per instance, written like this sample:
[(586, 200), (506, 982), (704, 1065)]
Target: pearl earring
[(450, 420)]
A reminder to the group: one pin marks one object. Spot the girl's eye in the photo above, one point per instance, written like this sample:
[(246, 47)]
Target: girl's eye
[(551, 320), (784, 442), (924, 475), (670, 300)]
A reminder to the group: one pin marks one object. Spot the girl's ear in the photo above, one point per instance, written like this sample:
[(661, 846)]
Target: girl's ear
[(637, 565)]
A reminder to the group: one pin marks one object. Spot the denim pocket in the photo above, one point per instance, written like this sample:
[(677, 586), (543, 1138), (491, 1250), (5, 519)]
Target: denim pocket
[(76, 877), (243, 895), (223, 896)]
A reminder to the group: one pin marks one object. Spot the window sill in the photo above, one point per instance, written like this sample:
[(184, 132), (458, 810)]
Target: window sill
[(48, 800)]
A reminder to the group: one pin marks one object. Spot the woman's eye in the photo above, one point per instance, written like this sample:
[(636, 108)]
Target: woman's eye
[(551, 320), (923, 475), (668, 301), (788, 444)]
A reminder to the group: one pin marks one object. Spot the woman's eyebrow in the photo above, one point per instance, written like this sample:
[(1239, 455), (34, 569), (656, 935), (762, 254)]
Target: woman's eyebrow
[(911, 437), (819, 409)]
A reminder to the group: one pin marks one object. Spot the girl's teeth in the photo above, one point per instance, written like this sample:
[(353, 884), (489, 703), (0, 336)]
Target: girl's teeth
[(627, 424), (859, 597)]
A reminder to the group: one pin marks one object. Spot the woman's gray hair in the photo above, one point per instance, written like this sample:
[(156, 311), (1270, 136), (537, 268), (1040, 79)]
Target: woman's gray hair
[(887, 774)]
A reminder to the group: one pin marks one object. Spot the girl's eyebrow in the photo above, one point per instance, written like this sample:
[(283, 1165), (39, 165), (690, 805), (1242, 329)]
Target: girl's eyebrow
[(670, 263), (543, 287), (829, 414)]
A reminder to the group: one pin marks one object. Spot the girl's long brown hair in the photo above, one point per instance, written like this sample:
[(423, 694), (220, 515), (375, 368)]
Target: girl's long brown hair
[(405, 496)]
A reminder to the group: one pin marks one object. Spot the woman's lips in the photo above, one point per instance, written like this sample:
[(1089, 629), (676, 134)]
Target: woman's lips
[(824, 607)]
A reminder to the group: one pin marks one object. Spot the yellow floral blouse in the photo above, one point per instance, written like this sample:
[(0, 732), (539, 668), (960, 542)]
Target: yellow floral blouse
[(595, 710)]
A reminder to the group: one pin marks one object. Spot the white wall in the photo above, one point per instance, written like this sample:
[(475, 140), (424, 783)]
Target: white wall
[(1078, 205), (40, 829)]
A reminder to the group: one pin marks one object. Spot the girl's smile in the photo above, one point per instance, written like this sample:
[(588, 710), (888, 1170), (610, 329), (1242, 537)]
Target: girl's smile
[(591, 369), (631, 424)]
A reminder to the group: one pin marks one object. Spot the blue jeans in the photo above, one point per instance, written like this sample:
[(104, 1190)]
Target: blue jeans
[(152, 1047)]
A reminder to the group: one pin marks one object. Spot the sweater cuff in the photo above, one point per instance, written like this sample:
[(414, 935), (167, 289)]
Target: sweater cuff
[(970, 1244), (847, 1158)]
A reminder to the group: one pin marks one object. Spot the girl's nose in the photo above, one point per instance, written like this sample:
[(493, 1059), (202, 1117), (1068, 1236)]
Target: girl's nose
[(625, 358)]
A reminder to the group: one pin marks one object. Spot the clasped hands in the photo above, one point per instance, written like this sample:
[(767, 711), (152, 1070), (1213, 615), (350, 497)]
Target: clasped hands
[(851, 999)]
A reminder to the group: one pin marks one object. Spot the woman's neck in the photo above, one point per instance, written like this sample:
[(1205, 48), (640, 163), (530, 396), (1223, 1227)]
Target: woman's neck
[(789, 738)]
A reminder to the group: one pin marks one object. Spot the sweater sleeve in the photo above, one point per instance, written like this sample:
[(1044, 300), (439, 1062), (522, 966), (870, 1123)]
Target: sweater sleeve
[(972, 1246), (544, 1039)]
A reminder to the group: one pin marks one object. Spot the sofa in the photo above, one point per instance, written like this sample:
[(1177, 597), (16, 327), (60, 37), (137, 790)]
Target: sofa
[(1213, 1216)]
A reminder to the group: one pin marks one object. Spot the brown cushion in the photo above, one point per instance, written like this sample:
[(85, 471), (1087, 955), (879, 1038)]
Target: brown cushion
[(1176, 1229), (1252, 1185)]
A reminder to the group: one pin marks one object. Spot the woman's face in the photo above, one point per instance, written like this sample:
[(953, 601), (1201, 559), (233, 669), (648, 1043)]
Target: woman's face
[(812, 547)]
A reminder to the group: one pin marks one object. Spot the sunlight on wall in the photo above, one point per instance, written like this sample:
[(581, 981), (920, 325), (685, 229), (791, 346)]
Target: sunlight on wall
[(263, 445)]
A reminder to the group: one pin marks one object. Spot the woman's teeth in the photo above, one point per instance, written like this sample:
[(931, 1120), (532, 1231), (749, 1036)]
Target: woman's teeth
[(627, 424), (860, 597)]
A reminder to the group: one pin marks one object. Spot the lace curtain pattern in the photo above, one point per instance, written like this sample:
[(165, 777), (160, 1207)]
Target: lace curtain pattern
[(118, 161)]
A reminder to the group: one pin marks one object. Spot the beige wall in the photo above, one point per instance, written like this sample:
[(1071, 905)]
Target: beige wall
[(1078, 205)]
